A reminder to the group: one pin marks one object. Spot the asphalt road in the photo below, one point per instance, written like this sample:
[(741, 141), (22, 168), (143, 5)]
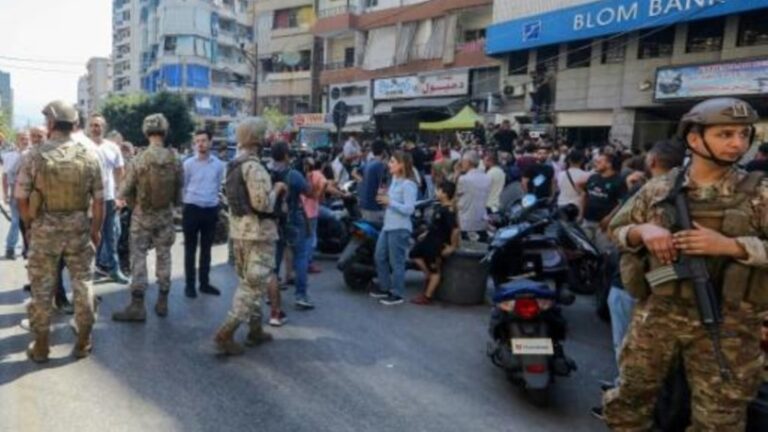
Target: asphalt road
[(349, 365)]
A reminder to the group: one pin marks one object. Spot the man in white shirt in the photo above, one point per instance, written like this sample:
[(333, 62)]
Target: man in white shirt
[(498, 180), (107, 262), (11, 162), (472, 191), (572, 180)]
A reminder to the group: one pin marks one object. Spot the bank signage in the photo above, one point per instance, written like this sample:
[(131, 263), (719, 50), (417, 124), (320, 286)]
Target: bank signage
[(447, 84), (736, 78), (605, 17)]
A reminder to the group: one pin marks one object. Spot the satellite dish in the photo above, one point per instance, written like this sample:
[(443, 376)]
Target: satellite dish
[(291, 58)]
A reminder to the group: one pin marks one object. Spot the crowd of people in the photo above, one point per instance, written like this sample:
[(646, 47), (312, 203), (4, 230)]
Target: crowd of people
[(66, 188)]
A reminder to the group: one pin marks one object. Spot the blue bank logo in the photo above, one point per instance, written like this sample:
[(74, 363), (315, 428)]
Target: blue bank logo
[(532, 31)]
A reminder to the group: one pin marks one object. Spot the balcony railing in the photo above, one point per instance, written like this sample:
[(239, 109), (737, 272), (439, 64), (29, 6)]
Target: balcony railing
[(477, 45), (337, 65), (339, 10)]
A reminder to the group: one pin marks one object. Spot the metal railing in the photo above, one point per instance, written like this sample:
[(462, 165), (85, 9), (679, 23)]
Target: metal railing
[(339, 10), (337, 65)]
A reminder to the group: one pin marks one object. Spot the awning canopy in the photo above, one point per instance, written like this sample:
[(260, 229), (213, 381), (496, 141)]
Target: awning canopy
[(465, 119), (442, 102)]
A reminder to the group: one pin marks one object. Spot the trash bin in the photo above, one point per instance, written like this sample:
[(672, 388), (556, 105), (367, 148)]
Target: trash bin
[(464, 278)]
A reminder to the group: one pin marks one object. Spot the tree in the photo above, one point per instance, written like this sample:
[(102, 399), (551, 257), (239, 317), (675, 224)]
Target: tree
[(126, 114), (6, 127)]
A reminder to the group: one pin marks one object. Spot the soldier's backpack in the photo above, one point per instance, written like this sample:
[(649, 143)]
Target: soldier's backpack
[(158, 181), (62, 179)]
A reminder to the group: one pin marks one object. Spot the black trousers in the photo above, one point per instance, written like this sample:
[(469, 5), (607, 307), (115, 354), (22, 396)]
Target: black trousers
[(199, 226)]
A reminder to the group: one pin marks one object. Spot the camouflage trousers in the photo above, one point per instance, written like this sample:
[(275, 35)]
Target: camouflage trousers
[(663, 328), (151, 229), (47, 247), (255, 265)]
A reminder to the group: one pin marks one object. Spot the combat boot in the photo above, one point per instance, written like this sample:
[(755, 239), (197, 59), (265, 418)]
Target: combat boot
[(38, 350), (225, 339), (84, 344), (257, 335), (161, 308), (135, 311)]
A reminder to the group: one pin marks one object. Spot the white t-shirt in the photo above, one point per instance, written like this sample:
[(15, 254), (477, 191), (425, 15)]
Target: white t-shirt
[(569, 195), (83, 139), (498, 178), (112, 159), (11, 165)]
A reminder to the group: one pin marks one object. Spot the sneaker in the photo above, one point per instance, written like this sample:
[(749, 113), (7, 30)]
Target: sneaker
[(378, 293), (10, 254), (303, 303), (391, 300), (190, 291), (210, 290), (422, 300), (25, 324), (277, 319), (27, 287), (597, 412), (314, 269), (100, 272), (118, 277)]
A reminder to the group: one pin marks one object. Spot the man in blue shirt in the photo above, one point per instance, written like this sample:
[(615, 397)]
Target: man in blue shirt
[(297, 225), (373, 176), (203, 177)]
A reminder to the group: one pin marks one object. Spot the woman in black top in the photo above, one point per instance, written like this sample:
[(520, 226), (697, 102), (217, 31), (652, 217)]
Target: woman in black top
[(441, 240)]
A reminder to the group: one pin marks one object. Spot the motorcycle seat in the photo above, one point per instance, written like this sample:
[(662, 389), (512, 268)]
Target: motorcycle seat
[(523, 287)]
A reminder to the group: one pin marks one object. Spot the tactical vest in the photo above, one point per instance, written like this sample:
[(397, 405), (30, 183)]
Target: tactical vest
[(238, 198), (157, 180), (733, 215), (62, 179)]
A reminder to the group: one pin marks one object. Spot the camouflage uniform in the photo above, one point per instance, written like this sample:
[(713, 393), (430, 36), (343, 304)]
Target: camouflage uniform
[(149, 227), (666, 321), (55, 235)]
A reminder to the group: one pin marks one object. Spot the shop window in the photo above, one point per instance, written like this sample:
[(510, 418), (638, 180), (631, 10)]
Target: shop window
[(306, 60), (169, 47), (705, 35), (614, 50), (349, 57), (371, 3), (547, 57), (517, 63), (655, 43), (474, 35), (753, 29), (579, 54)]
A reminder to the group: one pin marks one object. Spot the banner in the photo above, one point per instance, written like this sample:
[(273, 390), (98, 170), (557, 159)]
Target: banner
[(736, 78), (448, 84)]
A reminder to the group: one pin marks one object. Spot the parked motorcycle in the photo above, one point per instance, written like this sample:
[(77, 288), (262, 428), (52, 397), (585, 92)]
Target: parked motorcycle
[(357, 260), (530, 270), (334, 224)]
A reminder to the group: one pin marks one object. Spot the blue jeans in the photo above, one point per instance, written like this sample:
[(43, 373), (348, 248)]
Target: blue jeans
[(391, 252), (297, 238), (106, 255), (13, 233), (620, 306), (312, 239)]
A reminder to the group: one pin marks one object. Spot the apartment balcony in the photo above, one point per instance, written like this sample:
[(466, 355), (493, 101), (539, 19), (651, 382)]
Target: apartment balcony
[(333, 21)]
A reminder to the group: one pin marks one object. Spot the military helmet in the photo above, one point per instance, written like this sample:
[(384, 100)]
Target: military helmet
[(155, 123), (718, 111), (60, 111)]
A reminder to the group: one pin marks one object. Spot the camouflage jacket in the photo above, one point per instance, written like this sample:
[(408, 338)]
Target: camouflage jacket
[(262, 199)]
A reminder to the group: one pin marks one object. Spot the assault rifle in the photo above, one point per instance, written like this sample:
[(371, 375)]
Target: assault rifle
[(694, 269)]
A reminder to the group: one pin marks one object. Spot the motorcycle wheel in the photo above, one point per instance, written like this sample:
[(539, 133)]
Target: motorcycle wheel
[(355, 281), (538, 397)]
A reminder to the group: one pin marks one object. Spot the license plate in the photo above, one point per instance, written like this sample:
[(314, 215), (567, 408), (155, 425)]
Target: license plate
[(532, 346)]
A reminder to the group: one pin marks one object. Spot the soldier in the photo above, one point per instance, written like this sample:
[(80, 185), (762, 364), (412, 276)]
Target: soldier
[(729, 209), (254, 234), (153, 186), (56, 183)]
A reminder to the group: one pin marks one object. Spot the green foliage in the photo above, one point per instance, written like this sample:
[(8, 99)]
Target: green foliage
[(6, 127), (276, 120), (126, 114)]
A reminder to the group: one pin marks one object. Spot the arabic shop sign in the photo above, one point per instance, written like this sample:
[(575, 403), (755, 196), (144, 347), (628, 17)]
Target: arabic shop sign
[(736, 78), (601, 18), (448, 84)]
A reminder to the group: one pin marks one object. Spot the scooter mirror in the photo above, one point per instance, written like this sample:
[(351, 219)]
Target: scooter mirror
[(539, 180), (529, 201)]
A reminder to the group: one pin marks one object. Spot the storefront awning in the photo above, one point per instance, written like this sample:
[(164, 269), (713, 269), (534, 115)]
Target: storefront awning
[(465, 119), (388, 107), (585, 119)]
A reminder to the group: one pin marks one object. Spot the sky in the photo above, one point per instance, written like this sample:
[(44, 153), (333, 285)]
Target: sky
[(56, 37)]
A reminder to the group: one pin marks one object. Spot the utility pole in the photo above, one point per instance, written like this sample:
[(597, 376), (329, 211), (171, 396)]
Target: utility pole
[(316, 95)]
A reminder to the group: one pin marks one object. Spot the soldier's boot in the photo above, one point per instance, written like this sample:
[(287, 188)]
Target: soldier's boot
[(225, 339), (134, 312), (38, 350), (161, 308), (257, 335), (84, 343)]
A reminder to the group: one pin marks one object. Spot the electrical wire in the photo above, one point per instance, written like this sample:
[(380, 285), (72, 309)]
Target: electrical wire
[(39, 69), (42, 61)]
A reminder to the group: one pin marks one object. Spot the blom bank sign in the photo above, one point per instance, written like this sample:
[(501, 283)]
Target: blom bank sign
[(603, 18)]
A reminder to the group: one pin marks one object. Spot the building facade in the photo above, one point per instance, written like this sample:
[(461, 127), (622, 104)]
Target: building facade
[(6, 95), (94, 87), (398, 62), (626, 69), (288, 56), (202, 49)]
